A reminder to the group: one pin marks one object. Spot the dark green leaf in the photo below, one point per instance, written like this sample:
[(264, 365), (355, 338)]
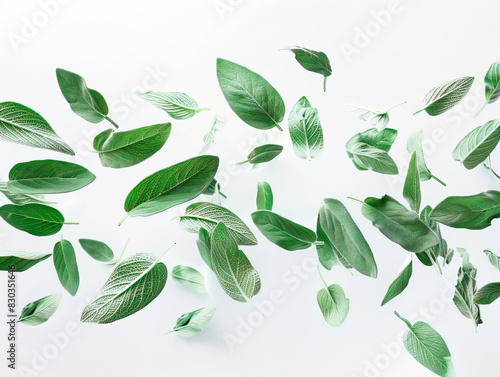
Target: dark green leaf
[(314, 61), (35, 219), (262, 153), (192, 323), (491, 84), (400, 283), (20, 260), (66, 266), (487, 294)]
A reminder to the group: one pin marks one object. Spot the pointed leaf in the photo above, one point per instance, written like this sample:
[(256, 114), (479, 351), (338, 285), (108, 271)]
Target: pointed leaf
[(40, 311), (35, 219), (20, 260), (66, 266), (192, 323), (314, 61), (203, 243), (263, 153), (333, 304), (487, 294), (264, 196), (189, 277), (97, 249), (411, 188), (177, 105), (494, 259), (400, 283), (305, 130), (492, 83), (414, 144)]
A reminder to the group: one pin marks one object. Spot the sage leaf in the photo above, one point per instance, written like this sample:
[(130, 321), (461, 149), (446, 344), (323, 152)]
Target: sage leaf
[(382, 139), (333, 304), (192, 323), (469, 212), (47, 177), (492, 85), (203, 243), (400, 283), (189, 277), (283, 232), (400, 225), (178, 105), (377, 118), (250, 96), (264, 196), (40, 311), (305, 130), (171, 186), (342, 240), (133, 284), (478, 144), (97, 250), (262, 153), (232, 268), (411, 188), (493, 258), (427, 347), (208, 215), (430, 256), (487, 294), (314, 61), (446, 95), (212, 188), (66, 266), (22, 198), (35, 219), (128, 148), (209, 138), (414, 144), (20, 261), (22, 125)]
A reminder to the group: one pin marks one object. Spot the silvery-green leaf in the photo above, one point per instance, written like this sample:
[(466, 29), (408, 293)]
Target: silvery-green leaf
[(192, 323), (209, 138), (40, 311), (333, 304), (262, 153), (411, 188), (264, 196), (20, 260), (487, 294), (446, 95), (430, 256), (177, 105), (400, 283), (189, 277), (66, 266), (314, 61), (414, 144), (366, 157), (491, 85), (97, 249), (493, 258), (213, 188), (203, 243), (377, 118), (305, 130), (19, 124), (22, 198)]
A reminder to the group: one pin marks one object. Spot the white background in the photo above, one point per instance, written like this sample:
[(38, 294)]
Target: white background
[(116, 45)]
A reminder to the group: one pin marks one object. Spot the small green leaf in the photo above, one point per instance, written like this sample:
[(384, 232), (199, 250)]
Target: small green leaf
[(203, 243), (333, 304), (66, 266), (400, 283), (377, 118), (411, 188), (414, 144), (20, 260), (493, 258), (97, 249), (23, 198), (209, 138), (189, 277), (40, 311), (177, 105), (487, 294), (305, 130), (262, 153), (492, 85), (192, 323), (264, 196)]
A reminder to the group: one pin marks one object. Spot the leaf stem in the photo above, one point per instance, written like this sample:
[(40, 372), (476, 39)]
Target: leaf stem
[(122, 219), (490, 168), (436, 265), (321, 276), (481, 109), (437, 179), (324, 83), (3, 186), (418, 111), (223, 195), (396, 105), (279, 127), (71, 223), (165, 252), (242, 162), (202, 109), (318, 243), (123, 252), (111, 121), (403, 319), (356, 200)]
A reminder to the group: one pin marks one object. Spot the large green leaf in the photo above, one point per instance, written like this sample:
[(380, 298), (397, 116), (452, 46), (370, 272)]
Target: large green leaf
[(305, 130), (66, 266), (399, 224), (411, 188), (262, 153), (264, 196), (250, 96), (283, 232), (487, 294), (192, 323), (40, 311), (35, 219), (21, 260), (342, 240), (314, 61), (428, 348), (469, 212), (177, 105), (446, 95), (169, 187), (333, 304), (400, 283), (208, 215), (478, 144), (97, 249), (414, 144), (133, 284), (189, 277), (19, 124), (232, 268), (47, 177), (128, 148)]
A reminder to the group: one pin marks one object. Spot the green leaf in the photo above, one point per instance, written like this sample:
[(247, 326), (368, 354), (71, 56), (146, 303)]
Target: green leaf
[(382, 139), (133, 284), (192, 323), (66, 266), (469, 212), (21, 260), (400, 283), (177, 105), (487, 294), (189, 277), (428, 348), (35, 219), (128, 148), (430, 256), (19, 124), (283, 232), (492, 84), (97, 249), (203, 243), (478, 144), (262, 153), (232, 268), (250, 96), (446, 95), (314, 61), (400, 225), (411, 188), (264, 196), (377, 118), (85, 102), (493, 258), (342, 240), (208, 215), (212, 188), (305, 130), (171, 186), (209, 138), (414, 144), (47, 177), (333, 304), (22, 198), (40, 311)]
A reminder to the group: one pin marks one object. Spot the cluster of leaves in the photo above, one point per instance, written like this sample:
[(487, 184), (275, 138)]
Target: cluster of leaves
[(137, 280)]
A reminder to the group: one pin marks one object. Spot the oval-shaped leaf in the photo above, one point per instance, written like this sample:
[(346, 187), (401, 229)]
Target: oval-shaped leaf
[(177, 105), (333, 304), (35, 219), (446, 95), (262, 153), (231, 266), (97, 249), (492, 83), (314, 61), (189, 277), (414, 144), (366, 157), (20, 261), (208, 215), (22, 198), (169, 187), (487, 294), (250, 96), (305, 130), (264, 196), (133, 284), (192, 323), (400, 283), (411, 188), (493, 258), (203, 243), (19, 124), (40, 311), (283, 232), (48, 177), (66, 266)]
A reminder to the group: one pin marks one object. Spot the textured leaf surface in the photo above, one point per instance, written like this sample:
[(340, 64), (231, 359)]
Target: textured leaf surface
[(35, 219), (192, 323), (314, 61), (21, 260), (40, 311), (305, 130), (177, 105), (333, 304), (66, 266)]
